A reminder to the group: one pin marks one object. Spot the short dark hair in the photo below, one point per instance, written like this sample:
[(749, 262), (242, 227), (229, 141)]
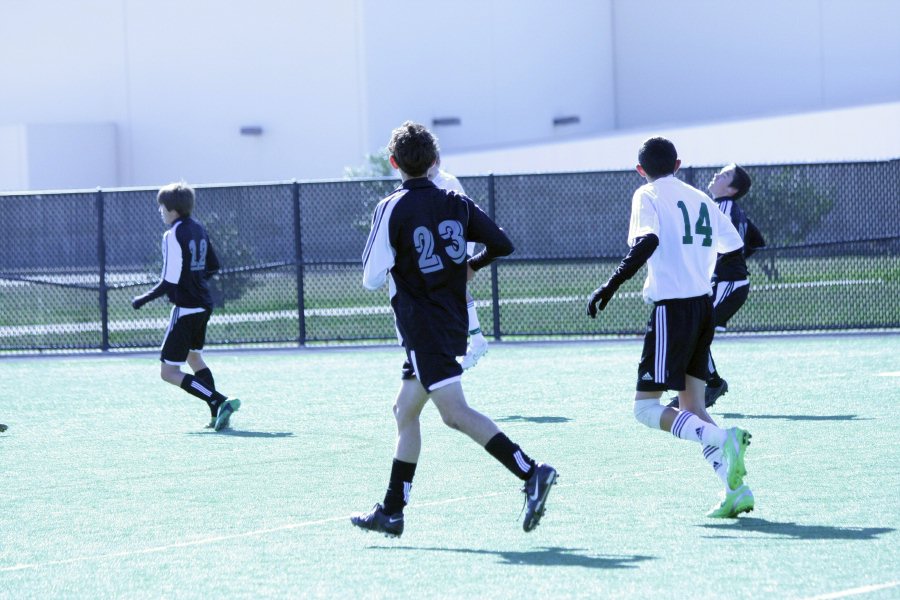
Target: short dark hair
[(414, 148), (741, 182), (657, 157), (178, 197)]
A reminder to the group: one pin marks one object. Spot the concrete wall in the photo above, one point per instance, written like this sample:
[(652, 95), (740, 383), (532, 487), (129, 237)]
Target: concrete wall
[(324, 82)]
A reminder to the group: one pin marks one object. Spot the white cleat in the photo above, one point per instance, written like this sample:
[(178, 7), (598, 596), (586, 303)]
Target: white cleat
[(477, 348)]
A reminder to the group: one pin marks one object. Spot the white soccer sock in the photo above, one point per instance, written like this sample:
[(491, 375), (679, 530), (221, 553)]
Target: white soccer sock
[(713, 456), (688, 426), (474, 325)]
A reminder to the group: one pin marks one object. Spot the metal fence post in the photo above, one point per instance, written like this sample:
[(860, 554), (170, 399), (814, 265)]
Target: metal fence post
[(101, 261), (689, 175), (495, 285), (298, 262)]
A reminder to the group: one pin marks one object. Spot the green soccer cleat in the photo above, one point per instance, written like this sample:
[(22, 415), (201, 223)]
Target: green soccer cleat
[(733, 503), (223, 416), (736, 442)]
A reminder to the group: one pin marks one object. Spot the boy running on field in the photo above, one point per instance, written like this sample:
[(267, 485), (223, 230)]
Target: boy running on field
[(419, 236), (188, 261), (679, 232)]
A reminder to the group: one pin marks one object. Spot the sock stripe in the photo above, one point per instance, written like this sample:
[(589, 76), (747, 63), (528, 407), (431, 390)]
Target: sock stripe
[(680, 422), (407, 489), (708, 451), (200, 388), (521, 461)]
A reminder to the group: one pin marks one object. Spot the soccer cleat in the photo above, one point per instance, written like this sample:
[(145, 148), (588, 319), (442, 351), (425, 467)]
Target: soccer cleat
[(734, 502), (2, 428), (211, 424), (536, 489), (714, 393), (377, 520), (736, 442), (478, 347), (223, 416)]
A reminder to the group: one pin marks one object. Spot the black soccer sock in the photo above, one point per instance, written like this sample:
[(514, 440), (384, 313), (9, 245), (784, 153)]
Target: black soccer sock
[(512, 457), (206, 377), (195, 387), (399, 487)]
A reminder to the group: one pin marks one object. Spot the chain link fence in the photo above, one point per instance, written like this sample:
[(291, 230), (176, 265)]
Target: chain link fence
[(70, 262)]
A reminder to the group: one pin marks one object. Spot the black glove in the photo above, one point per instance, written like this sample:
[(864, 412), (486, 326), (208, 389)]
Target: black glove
[(603, 295), (139, 301)]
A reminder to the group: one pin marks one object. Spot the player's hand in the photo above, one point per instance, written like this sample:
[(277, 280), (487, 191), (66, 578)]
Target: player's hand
[(138, 301), (601, 295)]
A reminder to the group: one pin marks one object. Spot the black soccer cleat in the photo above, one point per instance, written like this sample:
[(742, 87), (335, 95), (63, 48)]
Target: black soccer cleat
[(536, 490), (714, 393), (377, 520)]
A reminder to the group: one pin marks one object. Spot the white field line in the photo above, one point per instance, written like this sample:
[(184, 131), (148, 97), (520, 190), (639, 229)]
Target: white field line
[(856, 591), (259, 532), (260, 317)]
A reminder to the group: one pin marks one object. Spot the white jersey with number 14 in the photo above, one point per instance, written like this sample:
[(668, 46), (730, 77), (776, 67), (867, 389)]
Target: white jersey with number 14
[(692, 232)]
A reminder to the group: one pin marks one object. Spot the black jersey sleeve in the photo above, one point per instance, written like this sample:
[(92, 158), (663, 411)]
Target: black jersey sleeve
[(212, 261), (753, 240), (163, 287), (482, 229)]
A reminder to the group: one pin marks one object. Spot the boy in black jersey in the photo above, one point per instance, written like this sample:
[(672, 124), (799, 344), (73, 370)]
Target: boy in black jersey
[(188, 261), (731, 280), (419, 235)]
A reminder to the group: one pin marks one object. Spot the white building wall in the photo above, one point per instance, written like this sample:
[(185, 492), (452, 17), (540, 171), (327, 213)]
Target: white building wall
[(505, 69), (706, 60), (327, 81)]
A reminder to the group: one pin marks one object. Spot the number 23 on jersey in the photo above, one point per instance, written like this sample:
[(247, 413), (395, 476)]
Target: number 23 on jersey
[(455, 248)]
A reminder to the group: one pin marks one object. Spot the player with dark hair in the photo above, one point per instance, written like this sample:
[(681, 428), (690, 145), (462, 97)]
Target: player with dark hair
[(419, 236), (188, 262), (678, 232), (731, 282)]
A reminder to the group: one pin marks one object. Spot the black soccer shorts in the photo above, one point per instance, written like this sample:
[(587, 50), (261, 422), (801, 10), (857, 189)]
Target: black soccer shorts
[(432, 370), (676, 344), (727, 300), (186, 333)]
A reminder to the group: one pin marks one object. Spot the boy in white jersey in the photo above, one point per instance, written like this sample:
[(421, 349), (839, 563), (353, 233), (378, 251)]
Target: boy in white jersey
[(678, 231), (478, 346)]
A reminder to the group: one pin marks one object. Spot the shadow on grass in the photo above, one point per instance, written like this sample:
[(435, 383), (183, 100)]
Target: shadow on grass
[(728, 415), (246, 434), (524, 419), (795, 531), (550, 557)]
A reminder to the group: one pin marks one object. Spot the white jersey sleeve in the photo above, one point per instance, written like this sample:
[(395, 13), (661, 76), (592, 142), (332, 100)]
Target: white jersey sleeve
[(729, 239), (171, 252), (378, 256), (644, 216)]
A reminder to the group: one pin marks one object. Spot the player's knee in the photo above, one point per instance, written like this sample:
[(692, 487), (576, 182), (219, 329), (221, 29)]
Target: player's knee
[(649, 412), (450, 421)]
